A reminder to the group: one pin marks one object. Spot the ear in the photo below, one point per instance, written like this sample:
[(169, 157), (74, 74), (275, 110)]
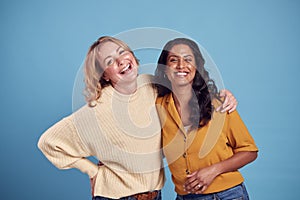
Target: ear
[(105, 77)]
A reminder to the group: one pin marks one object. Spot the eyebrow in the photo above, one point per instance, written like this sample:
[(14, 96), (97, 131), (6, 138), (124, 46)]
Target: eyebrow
[(107, 58), (117, 50), (185, 56)]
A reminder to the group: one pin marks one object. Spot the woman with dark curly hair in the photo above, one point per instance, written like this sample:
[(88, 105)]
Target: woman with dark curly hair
[(204, 148)]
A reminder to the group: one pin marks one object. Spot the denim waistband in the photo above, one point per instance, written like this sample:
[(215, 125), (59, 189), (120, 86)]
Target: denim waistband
[(236, 192)]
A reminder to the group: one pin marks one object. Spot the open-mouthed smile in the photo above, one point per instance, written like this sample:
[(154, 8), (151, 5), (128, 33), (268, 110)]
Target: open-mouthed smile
[(181, 73), (126, 69)]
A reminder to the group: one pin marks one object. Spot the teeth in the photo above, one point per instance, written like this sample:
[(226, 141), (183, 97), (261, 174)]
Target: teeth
[(127, 67), (181, 73)]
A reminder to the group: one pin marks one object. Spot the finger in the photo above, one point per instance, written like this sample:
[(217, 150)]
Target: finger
[(225, 109), (226, 101), (222, 93), (232, 109), (192, 174), (231, 105), (225, 92), (190, 180), (198, 188), (195, 188), (219, 108), (191, 186), (204, 187), (201, 190), (191, 183)]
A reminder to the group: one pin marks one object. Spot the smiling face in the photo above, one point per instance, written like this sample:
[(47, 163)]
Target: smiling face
[(181, 65), (118, 63)]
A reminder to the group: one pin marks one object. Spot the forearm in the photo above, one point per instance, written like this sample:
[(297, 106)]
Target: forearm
[(86, 166), (235, 162)]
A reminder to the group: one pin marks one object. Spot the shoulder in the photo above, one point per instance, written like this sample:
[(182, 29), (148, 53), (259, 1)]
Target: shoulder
[(145, 79), (217, 102), (232, 117), (145, 83), (164, 99), (84, 114)]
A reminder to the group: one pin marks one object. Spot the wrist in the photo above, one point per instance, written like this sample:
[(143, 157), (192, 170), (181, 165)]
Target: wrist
[(218, 169)]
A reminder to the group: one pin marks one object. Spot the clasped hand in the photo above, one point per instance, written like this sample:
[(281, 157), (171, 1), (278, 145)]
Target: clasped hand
[(198, 181)]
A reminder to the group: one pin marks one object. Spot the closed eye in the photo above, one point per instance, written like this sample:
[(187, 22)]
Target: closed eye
[(122, 51), (188, 60), (173, 59), (109, 62)]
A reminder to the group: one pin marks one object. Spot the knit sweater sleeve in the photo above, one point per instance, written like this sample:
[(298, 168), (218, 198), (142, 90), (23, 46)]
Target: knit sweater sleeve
[(63, 147)]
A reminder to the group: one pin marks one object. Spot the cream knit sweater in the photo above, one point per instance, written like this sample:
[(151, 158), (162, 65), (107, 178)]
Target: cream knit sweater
[(123, 131)]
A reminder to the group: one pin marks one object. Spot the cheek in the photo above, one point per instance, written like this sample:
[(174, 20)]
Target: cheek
[(129, 56), (135, 63), (168, 70), (193, 73), (126, 56), (171, 66), (109, 72)]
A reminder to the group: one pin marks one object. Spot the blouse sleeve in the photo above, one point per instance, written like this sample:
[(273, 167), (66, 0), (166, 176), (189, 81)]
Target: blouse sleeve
[(238, 134), (63, 147)]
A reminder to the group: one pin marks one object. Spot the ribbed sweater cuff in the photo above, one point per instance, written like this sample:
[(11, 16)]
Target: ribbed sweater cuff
[(86, 166)]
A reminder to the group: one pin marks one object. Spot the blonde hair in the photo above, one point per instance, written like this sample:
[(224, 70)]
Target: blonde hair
[(94, 81)]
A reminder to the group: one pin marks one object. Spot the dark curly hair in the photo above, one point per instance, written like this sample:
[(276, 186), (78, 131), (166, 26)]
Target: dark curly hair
[(204, 88)]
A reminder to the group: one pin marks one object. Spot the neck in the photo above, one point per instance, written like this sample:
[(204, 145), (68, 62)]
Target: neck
[(182, 94), (126, 88)]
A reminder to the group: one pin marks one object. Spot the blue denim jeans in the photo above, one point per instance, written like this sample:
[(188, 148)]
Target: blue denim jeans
[(158, 197), (238, 192)]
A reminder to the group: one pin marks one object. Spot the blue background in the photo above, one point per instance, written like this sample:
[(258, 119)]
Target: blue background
[(255, 44)]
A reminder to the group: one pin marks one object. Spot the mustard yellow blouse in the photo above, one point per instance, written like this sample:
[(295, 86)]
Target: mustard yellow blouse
[(189, 150)]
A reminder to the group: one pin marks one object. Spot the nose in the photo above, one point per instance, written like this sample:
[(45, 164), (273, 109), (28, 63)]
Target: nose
[(180, 64), (120, 61)]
